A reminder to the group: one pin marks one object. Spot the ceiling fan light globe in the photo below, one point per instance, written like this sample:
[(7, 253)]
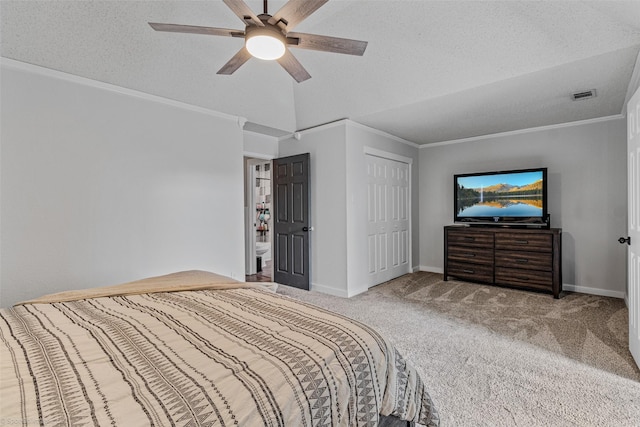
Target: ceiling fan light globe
[(265, 47)]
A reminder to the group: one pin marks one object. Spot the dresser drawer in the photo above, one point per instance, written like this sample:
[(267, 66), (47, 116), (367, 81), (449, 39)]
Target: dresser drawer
[(524, 242), (475, 272), (470, 255), (524, 260), (470, 239), (527, 278)]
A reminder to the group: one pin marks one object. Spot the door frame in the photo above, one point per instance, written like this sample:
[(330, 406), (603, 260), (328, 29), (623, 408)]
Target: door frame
[(251, 160), (633, 224), (409, 162)]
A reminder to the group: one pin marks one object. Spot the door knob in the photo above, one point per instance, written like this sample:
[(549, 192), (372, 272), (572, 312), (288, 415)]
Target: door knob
[(307, 229), (623, 240)]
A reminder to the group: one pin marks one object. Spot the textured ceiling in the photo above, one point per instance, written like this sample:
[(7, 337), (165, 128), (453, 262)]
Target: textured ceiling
[(433, 71)]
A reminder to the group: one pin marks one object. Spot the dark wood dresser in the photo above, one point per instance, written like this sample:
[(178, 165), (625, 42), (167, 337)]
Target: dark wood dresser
[(527, 258)]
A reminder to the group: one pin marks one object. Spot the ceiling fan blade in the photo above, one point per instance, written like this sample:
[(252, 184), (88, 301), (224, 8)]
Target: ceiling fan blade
[(235, 62), (295, 11), (242, 10), (192, 29), (327, 43), (293, 67)]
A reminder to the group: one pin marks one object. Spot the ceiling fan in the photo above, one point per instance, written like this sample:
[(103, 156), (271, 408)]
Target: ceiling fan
[(268, 37)]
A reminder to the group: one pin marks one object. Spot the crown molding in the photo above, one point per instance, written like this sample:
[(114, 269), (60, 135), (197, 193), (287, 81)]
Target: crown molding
[(523, 131), (300, 133), (260, 156), (347, 123), (381, 133), (634, 84), (60, 75)]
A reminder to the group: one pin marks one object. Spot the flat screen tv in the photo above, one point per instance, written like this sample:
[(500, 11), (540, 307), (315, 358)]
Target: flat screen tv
[(505, 198)]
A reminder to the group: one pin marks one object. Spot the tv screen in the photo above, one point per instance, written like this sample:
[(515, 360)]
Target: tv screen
[(517, 197)]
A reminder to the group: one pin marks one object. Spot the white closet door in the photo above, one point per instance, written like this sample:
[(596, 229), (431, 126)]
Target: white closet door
[(387, 219)]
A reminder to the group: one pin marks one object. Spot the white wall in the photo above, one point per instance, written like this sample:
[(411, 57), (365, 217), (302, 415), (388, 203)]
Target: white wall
[(260, 146), (328, 240), (361, 138), (101, 185), (338, 201), (587, 194)]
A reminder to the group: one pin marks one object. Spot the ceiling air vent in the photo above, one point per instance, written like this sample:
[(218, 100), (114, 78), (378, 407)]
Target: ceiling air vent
[(588, 94)]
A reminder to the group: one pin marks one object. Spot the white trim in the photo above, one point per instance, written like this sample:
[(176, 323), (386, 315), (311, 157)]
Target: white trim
[(358, 292), (255, 132), (347, 122), (522, 131), (1, 259), (312, 130), (249, 220), (266, 135), (329, 290), (430, 269), (565, 286), (250, 212), (381, 133), (260, 156), (593, 291), (342, 293), (47, 72), (626, 300), (634, 84), (387, 155)]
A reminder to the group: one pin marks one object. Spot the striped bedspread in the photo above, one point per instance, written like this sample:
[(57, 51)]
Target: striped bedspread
[(215, 357)]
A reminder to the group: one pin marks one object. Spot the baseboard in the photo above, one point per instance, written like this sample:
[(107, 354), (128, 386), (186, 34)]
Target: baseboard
[(565, 286), (329, 290), (593, 291), (430, 269), (570, 288)]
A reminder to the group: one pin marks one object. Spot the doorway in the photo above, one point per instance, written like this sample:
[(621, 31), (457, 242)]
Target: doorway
[(258, 221)]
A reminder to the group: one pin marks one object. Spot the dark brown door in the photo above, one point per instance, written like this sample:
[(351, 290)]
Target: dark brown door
[(291, 221)]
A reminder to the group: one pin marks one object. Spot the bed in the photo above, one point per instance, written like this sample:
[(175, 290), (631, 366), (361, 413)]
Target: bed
[(197, 348)]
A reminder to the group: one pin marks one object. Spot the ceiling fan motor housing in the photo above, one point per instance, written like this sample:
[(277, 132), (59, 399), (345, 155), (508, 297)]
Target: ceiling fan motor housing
[(267, 42)]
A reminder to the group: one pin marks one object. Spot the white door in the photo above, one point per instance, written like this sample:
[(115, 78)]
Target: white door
[(388, 205), (633, 175)]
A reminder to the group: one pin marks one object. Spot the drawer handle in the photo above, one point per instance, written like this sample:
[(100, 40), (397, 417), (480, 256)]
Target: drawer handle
[(524, 279), (468, 271), (522, 260), (469, 239), (470, 255), (522, 242)]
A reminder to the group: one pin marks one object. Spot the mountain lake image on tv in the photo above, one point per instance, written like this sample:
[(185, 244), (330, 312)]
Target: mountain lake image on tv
[(509, 197)]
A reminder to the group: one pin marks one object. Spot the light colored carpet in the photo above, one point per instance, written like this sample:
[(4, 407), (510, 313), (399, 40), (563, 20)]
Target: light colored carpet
[(502, 357)]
